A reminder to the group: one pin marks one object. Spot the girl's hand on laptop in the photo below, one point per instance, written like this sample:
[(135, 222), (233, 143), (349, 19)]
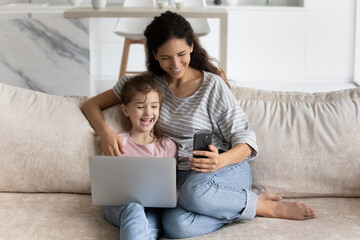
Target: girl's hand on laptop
[(111, 144), (210, 163)]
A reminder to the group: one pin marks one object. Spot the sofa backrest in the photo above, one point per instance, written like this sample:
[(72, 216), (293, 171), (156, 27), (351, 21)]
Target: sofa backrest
[(45, 142), (309, 142)]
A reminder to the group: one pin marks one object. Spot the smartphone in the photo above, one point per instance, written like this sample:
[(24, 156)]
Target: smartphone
[(202, 141)]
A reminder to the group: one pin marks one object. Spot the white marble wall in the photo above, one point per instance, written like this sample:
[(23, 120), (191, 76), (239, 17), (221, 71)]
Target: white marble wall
[(45, 53)]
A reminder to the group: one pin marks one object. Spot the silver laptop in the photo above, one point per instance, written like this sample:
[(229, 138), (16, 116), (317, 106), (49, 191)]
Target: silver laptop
[(150, 181)]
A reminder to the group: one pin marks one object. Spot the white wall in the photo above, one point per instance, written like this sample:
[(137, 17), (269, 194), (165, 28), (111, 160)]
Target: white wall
[(315, 43), (310, 44)]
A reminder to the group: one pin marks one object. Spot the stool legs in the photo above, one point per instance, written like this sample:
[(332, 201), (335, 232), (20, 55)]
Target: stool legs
[(125, 54)]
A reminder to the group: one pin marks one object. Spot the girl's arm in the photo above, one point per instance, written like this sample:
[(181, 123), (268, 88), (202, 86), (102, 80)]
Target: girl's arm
[(111, 143), (215, 161)]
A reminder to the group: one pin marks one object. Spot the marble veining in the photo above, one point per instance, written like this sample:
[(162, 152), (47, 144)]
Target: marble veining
[(50, 55), (54, 40)]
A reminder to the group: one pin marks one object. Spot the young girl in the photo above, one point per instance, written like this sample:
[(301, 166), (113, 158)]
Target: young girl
[(140, 101)]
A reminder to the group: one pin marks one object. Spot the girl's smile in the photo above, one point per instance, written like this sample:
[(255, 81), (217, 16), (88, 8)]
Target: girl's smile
[(143, 111), (146, 121)]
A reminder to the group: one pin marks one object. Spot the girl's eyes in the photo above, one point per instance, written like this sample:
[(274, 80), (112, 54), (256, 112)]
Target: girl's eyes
[(141, 107)]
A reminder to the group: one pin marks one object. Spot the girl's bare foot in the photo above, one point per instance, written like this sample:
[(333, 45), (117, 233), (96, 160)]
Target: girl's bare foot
[(286, 210), (269, 196)]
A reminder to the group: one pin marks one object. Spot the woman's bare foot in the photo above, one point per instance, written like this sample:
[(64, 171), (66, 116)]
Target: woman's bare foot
[(269, 196), (286, 210)]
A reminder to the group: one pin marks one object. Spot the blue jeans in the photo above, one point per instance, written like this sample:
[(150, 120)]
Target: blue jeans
[(135, 221), (207, 201)]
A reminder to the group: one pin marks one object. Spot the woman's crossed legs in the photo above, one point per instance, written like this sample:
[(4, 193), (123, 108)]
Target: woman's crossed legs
[(207, 201)]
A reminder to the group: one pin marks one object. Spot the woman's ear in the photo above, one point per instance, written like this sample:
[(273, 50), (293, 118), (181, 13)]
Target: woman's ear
[(155, 56), (124, 110), (191, 48)]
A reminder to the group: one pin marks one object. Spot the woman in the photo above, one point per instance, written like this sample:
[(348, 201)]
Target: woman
[(214, 189)]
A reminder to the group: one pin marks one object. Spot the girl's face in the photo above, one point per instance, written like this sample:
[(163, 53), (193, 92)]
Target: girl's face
[(143, 111), (174, 57)]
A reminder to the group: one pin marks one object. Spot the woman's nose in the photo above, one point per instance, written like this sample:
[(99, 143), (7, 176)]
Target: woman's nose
[(175, 63)]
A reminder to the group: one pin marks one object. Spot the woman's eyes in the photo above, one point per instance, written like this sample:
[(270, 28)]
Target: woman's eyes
[(179, 55)]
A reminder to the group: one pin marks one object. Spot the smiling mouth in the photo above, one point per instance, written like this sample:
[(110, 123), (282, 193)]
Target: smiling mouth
[(177, 70), (146, 121)]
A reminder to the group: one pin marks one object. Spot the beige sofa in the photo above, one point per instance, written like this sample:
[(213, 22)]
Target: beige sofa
[(309, 151)]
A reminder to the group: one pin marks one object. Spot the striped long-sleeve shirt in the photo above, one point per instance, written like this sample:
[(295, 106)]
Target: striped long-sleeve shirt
[(212, 108)]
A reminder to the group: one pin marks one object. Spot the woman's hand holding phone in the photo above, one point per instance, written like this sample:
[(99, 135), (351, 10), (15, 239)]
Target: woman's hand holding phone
[(206, 157), (210, 162)]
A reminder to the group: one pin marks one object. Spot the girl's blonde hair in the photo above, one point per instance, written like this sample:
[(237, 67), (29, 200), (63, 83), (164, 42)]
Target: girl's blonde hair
[(143, 83)]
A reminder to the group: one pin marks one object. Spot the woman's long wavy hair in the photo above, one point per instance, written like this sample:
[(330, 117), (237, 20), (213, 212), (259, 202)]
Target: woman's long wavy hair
[(142, 83), (170, 25)]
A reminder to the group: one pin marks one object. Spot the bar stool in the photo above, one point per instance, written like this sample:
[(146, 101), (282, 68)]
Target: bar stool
[(200, 25), (133, 28)]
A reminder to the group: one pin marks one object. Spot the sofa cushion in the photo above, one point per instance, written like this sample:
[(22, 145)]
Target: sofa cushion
[(52, 216), (45, 142), (72, 216), (337, 218), (309, 142)]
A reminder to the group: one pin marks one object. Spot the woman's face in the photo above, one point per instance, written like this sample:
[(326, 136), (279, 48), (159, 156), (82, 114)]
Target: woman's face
[(174, 57)]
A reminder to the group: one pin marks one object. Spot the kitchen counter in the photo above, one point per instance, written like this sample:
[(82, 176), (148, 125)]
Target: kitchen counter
[(120, 11), (16, 8)]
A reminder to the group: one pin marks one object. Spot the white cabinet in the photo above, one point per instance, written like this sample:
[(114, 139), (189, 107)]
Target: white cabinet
[(266, 45), (330, 5), (291, 45), (329, 46)]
